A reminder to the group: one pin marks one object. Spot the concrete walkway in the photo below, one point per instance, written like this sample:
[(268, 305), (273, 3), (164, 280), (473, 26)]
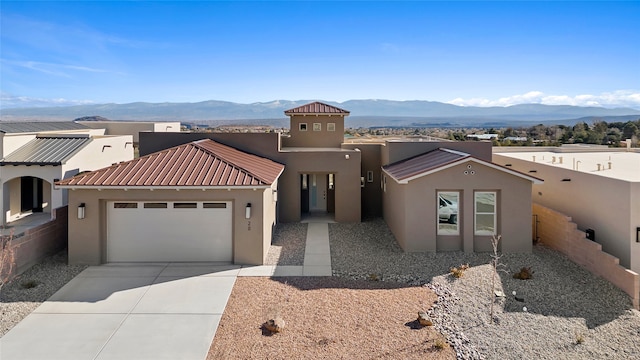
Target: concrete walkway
[(144, 311), (317, 256)]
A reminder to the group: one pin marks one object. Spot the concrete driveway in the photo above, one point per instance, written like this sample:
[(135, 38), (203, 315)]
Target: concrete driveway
[(155, 311)]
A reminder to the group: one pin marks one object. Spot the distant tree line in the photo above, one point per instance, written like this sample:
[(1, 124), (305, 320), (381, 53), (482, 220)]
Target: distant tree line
[(599, 132)]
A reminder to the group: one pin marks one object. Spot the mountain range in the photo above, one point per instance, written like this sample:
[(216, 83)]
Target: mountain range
[(365, 113)]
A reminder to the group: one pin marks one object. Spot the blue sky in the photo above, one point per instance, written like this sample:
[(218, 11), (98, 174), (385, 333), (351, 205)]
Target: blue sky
[(466, 53)]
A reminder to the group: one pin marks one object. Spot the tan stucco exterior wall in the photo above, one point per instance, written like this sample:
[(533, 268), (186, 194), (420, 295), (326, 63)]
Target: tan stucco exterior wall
[(88, 238), (311, 138), (418, 200), (601, 203), (347, 182)]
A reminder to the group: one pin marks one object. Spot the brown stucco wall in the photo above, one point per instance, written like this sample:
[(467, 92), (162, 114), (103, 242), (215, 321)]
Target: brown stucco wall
[(371, 200), (87, 237), (394, 211), (420, 208), (347, 182), (395, 151), (310, 138)]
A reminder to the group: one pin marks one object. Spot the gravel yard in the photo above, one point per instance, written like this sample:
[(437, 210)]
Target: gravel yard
[(287, 247), (571, 314), (376, 291), (24, 294)]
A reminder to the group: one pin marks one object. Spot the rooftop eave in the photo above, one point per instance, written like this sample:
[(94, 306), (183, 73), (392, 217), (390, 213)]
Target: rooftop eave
[(534, 180), (24, 163), (152, 188)]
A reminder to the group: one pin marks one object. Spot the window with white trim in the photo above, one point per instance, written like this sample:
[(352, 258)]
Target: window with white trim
[(485, 211), (448, 202), (331, 126), (317, 126), (302, 126)]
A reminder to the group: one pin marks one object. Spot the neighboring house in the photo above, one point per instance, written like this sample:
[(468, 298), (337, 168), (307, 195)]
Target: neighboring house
[(35, 155), (599, 188), (131, 212), (132, 127), (482, 136)]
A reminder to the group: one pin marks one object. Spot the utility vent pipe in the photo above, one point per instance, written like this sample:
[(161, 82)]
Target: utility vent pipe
[(560, 159), (599, 167), (609, 165), (553, 159)]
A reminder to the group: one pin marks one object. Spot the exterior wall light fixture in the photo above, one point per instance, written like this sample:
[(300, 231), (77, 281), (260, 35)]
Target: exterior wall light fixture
[(81, 210), (247, 211)]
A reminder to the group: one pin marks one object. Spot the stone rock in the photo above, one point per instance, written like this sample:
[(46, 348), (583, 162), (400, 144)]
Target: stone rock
[(275, 325), (424, 319)]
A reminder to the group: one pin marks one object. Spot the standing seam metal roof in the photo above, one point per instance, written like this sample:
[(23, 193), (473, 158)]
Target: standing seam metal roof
[(316, 108), (199, 163), (35, 127), (46, 151), (433, 159)]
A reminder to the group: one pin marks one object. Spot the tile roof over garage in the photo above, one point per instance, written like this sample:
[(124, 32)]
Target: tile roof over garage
[(316, 108), (36, 127), (202, 163), (46, 151), (440, 159)]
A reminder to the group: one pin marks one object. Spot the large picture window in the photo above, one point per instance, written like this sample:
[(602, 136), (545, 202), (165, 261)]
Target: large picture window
[(485, 212), (448, 212)]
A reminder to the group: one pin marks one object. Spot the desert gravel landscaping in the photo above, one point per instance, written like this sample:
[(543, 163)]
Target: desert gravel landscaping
[(366, 310), (24, 294), (570, 314)]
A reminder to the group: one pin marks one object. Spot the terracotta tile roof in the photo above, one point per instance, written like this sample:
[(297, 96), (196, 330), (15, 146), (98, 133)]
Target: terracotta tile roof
[(416, 165), (316, 108), (200, 163), (45, 150)]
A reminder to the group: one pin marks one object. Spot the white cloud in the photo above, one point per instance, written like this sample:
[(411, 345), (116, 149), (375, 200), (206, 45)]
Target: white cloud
[(619, 98), (53, 69), (8, 100)]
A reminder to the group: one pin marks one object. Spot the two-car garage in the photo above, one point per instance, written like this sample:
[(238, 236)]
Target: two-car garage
[(179, 231)]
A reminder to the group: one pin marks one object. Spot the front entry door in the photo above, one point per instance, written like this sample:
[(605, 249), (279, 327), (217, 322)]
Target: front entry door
[(318, 192)]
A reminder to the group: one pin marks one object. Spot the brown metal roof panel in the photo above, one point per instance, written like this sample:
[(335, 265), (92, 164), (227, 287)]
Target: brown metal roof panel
[(316, 107), (422, 163), (201, 163)]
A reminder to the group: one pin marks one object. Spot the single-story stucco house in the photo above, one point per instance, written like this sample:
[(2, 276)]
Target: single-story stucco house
[(217, 196)]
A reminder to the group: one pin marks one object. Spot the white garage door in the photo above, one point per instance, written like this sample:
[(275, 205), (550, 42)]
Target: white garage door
[(169, 231)]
